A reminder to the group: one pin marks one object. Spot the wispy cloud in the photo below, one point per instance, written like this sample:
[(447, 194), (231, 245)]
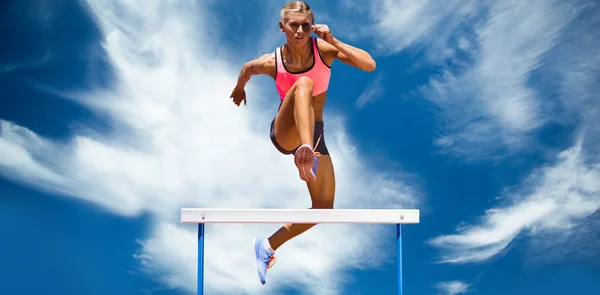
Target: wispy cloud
[(508, 70), (553, 199), (372, 92), (489, 107), (399, 25), (177, 141), (452, 287), (559, 199), (487, 54), (25, 64)]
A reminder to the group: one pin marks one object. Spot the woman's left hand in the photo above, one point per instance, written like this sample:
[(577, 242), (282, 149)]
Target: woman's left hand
[(323, 32)]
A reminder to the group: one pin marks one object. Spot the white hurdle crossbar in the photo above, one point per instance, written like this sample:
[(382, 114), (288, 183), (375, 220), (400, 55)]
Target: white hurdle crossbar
[(363, 216)]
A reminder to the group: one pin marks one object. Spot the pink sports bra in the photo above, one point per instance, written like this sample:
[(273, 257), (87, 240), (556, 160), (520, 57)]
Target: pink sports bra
[(319, 73)]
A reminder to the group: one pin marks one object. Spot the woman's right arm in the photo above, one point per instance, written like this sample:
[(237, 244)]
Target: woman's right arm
[(264, 65)]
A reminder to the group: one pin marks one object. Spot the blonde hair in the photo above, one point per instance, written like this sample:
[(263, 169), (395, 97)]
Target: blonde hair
[(296, 6)]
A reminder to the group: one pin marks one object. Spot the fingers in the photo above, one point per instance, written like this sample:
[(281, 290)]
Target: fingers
[(321, 30), (238, 101), (318, 29)]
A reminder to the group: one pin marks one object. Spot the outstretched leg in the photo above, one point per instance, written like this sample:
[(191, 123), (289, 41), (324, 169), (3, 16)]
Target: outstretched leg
[(322, 193)]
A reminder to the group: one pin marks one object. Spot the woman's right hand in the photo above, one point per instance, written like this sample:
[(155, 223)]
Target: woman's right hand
[(238, 94)]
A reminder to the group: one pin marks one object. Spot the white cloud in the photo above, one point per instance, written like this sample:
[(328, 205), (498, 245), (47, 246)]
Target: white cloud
[(373, 91), (492, 106), (502, 110), (176, 140), (402, 24), (486, 53), (553, 199), (452, 287)]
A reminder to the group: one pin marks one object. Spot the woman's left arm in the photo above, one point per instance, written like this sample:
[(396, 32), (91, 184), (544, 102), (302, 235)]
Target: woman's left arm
[(346, 53), (353, 56)]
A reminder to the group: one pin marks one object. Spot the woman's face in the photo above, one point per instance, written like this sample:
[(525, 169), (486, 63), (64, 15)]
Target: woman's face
[(297, 27)]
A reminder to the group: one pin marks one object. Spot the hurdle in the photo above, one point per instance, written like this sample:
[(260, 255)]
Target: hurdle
[(201, 216)]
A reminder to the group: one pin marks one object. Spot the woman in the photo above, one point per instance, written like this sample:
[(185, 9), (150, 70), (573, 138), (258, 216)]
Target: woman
[(301, 69)]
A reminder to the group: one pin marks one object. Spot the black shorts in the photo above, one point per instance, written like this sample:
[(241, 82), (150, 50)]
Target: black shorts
[(319, 130)]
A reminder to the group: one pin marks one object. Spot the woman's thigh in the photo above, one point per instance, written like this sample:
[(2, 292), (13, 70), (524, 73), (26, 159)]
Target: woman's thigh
[(284, 127)]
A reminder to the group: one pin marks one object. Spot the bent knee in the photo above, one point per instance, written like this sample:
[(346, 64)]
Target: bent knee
[(304, 82)]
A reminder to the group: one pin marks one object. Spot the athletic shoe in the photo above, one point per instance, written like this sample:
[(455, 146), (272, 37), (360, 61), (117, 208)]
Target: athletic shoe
[(264, 259), (304, 158)]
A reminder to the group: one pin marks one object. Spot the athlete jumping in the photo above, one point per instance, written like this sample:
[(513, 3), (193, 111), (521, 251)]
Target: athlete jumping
[(301, 69)]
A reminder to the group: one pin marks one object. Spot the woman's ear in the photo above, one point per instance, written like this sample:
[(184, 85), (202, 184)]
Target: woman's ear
[(281, 26)]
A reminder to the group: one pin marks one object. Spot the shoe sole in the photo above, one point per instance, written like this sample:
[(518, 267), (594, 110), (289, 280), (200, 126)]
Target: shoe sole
[(304, 160)]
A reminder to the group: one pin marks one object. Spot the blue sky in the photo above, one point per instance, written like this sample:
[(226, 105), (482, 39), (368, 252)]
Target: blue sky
[(482, 114)]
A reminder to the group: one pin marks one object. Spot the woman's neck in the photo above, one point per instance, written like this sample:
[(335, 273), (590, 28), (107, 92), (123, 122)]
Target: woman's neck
[(299, 53)]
